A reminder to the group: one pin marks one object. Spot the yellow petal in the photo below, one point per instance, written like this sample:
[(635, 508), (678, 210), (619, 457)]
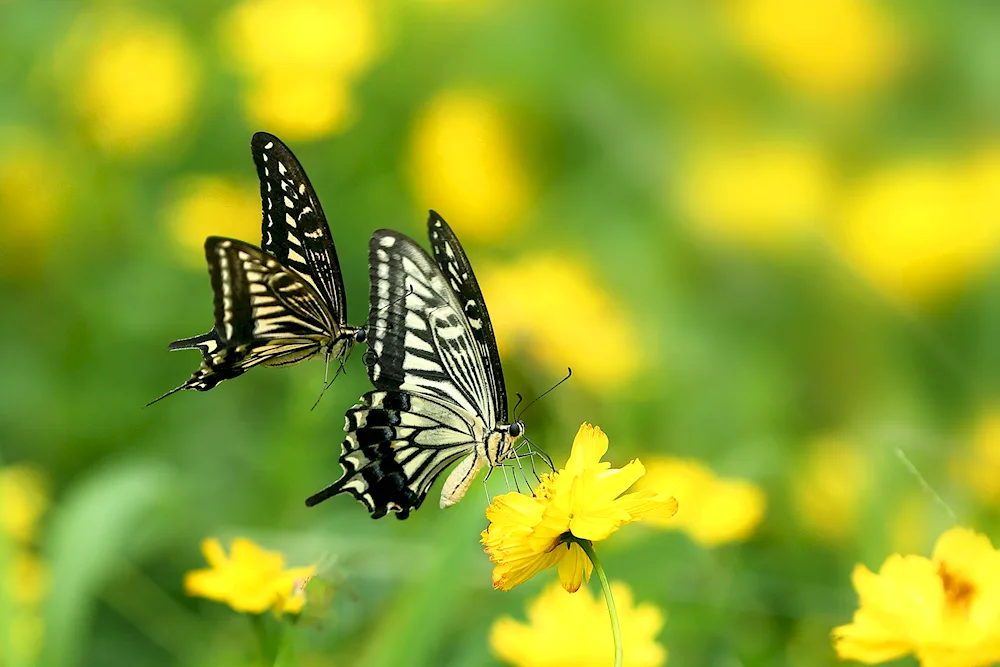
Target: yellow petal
[(247, 552), (574, 568), (508, 574), (865, 641), (589, 446), (209, 584), (215, 555), (612, 483)]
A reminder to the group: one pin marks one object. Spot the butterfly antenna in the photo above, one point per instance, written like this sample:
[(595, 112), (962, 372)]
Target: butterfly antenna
[(569, 374), (367, 322), (520, 399)]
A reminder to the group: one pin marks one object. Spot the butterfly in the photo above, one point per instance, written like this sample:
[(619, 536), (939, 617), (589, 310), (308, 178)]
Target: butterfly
[(284, 302), (439, 393)]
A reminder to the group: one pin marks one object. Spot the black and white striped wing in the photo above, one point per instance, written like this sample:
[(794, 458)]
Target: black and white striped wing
[(457, 269), (294, 229), (422, 341), (264, 314), (397, 444)]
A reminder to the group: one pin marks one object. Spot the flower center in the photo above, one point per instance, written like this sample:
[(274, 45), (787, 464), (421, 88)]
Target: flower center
[(958, 592)]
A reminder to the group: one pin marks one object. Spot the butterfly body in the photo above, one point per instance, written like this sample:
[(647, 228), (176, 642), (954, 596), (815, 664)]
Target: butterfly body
[(284, 302), (439, 397)]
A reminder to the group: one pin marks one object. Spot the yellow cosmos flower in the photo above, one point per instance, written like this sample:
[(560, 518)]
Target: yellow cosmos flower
[(585, 500), (572, 631), (831, 49), (209, 205), (559, 312), (831, 486), (763, 192), (23, 500), (138, 82), (299, 106), (712, 511), (250, 579), (27, 579), (920, 229), (465, 162), (29, 222), (301, 57), (945, 609)]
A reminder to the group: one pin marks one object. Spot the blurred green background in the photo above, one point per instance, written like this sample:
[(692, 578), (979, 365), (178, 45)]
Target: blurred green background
[(763, 233)]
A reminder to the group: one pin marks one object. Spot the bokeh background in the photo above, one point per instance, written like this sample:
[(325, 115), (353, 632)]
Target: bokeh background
[(763, 233)]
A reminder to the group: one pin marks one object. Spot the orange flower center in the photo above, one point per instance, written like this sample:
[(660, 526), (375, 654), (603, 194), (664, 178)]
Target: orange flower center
[(958, 592)]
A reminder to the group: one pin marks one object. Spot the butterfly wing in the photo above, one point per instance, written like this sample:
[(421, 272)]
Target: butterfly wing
[(294, 229), (396, 446), (265, 313), (457, 270)]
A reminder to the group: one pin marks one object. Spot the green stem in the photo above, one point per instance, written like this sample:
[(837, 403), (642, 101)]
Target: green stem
[(588, 548), (263, 644)]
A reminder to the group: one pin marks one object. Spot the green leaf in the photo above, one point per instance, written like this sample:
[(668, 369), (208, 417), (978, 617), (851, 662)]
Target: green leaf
[(91, 534)]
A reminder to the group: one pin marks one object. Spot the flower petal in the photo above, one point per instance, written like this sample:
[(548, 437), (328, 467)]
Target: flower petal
[(589, 446), (214, 554), (574, 568)]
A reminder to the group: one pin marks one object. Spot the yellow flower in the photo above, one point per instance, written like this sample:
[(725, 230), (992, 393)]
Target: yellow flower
[(23, 500), (979, 469), (829, 489), (763, 192), (920, 229), (29, 222), (27, 579), (250, 579), (299, 106), (584, 500), (945, 610), (209, 205), (301, 57), (830, 49), (712, 511), (465, 163), (138, 82), (560, 313), (572, 631)]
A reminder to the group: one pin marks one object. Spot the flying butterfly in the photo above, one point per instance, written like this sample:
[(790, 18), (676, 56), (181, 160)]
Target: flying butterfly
[(439, 389), (282, 303)]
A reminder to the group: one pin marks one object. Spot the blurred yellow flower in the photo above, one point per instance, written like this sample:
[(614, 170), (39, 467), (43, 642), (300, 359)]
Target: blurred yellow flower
[(27, 579), (250, 579), (830, 487), (585, 499), (299, 106), (560, 312), (945, 610), (764, 192), (465, 163), (919, 229), (23, 500), (572, 631), (138, 82), (301, 58), (29, 221), (979, 468), (712, 511), (210, 205), (831, 49)]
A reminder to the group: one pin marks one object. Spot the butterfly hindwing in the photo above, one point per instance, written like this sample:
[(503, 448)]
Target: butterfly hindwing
[(294, 229)]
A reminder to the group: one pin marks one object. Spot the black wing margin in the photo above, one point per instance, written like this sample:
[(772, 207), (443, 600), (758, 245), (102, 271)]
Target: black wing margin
[(455, 265), (293, 227)]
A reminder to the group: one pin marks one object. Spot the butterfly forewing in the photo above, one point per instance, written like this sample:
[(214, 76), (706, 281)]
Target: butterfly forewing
[(455, 265), (294, 229)]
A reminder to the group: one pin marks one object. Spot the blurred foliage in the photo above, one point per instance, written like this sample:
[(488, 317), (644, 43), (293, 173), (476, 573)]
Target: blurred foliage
[(763, 232)]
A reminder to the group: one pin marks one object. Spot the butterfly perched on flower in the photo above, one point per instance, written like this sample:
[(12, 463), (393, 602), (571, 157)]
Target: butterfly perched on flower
[(284, 302), (439, 395)]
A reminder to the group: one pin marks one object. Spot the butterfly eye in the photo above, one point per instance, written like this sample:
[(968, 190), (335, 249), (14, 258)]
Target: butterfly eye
[(360, 336), (516, 429)]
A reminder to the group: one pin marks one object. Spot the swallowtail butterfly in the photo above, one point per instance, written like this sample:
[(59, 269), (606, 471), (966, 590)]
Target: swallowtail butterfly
[(439, 390), (282, 303)]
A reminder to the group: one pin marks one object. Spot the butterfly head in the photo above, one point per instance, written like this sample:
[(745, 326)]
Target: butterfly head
[(360, 335)]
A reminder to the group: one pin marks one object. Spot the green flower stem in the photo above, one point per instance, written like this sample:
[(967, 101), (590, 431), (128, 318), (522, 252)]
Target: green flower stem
[(588, 548), (263, 642)]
